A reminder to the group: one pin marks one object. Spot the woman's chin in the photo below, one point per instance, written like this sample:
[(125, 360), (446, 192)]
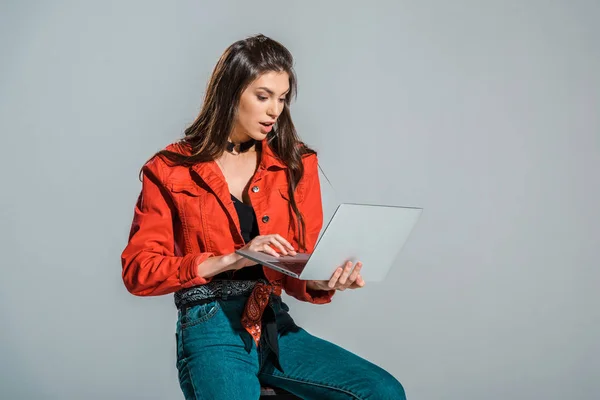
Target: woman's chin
[(259, 135)]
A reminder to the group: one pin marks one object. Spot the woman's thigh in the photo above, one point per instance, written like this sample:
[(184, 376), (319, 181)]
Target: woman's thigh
[(317, 369), (211, 358)]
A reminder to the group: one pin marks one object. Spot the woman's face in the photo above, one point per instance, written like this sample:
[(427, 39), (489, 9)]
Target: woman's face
[(260, 106)]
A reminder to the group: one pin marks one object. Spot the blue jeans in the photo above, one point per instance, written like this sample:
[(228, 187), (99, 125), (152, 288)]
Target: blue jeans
[(217, 359)]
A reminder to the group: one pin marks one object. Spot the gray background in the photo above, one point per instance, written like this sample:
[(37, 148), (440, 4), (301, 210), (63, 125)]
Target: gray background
[(485, 113)]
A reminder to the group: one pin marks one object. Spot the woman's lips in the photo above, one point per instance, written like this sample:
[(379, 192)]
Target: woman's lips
[(266, 127)]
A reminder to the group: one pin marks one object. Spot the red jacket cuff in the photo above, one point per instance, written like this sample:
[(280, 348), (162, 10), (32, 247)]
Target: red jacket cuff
[(188, 272), (297, 288)]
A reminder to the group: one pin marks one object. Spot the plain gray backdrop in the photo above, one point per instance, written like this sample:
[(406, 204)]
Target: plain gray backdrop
[(484, 113)]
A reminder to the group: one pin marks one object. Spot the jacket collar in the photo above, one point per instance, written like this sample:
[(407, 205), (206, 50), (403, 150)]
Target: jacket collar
[(210, 171), (212, 176), (268, 158)]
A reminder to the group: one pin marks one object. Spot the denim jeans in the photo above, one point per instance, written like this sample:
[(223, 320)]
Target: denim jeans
[(216, 359)]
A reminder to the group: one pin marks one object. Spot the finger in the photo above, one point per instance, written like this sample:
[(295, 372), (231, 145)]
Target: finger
[(285, 242), (269, 250), (259, 243), (346, 273), (335, 277), (273, 241), (360, 281), (355, 273)]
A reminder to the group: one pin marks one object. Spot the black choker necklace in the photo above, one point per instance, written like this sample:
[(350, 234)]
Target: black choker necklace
[(240, 148)]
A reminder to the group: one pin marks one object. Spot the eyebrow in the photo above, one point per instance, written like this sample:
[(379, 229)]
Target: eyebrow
[(266, 89)]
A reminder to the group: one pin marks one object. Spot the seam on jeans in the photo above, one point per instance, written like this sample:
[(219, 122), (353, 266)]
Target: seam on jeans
[(326, 386), (189, 371)]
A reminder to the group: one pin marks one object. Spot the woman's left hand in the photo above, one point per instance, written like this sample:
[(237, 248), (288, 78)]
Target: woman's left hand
[(342, 279)]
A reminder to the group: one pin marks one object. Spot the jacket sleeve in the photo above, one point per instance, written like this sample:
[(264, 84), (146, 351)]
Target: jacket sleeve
[(311, 208), (150, 266)]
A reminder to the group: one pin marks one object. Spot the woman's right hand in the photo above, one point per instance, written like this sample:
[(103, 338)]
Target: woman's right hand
[(273, 245)]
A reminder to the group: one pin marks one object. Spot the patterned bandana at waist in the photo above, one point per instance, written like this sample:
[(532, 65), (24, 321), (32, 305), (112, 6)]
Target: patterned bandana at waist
[(255, 307), (259, 295)]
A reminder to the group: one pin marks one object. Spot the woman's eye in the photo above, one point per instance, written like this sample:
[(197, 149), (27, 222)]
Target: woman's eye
[(262, 98), (282, 100)]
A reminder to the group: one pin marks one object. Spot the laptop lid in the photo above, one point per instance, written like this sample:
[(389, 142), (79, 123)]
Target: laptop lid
[(372, 234)]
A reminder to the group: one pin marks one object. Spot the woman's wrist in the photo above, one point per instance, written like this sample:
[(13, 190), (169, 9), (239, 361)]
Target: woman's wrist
[(314, 286), (229, 260), (215, 265)]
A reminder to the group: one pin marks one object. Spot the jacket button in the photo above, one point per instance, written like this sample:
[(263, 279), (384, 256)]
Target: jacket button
[(265, 219), (255, 189)]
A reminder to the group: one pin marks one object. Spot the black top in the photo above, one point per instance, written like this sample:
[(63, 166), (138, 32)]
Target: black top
[(249, 230), (247, 218)]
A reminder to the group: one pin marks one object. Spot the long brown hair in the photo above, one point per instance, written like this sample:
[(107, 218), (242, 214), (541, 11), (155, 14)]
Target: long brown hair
[(206, 138)]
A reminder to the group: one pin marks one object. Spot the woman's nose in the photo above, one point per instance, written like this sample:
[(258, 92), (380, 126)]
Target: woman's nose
[(274, 110)]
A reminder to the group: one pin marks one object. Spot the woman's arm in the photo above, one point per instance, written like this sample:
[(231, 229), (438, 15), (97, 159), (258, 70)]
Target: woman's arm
[(150, 266)]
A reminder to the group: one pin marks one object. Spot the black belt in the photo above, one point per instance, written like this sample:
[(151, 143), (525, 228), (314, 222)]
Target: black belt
[(217, 289)]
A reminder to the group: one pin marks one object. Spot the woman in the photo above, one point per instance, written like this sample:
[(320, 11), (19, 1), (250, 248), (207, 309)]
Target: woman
[(241, 178)]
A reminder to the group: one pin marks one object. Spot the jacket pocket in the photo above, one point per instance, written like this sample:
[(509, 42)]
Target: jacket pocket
[(188, 199), (186, 189), (298, 195)]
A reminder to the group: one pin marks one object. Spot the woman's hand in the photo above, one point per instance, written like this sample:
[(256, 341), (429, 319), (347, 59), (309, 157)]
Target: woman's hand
[(342, 279), (273, 245)]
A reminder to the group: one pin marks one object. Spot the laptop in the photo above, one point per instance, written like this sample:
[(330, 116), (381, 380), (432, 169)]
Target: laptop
[(372, 234)]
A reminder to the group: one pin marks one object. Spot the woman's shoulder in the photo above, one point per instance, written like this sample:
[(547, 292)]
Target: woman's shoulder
[(179, 147), (159, 163), (309, 157)]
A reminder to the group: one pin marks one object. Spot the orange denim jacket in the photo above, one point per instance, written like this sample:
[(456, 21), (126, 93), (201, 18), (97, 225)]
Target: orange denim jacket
[(185, 215)]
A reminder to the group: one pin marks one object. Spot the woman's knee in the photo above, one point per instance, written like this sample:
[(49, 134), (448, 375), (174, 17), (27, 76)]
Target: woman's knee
[(384, 386), (390, 388)]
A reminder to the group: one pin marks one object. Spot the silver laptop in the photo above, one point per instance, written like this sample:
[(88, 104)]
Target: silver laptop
[(372, 234)]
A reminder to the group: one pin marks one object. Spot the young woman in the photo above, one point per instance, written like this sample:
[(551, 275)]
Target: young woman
[(241, 178)]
